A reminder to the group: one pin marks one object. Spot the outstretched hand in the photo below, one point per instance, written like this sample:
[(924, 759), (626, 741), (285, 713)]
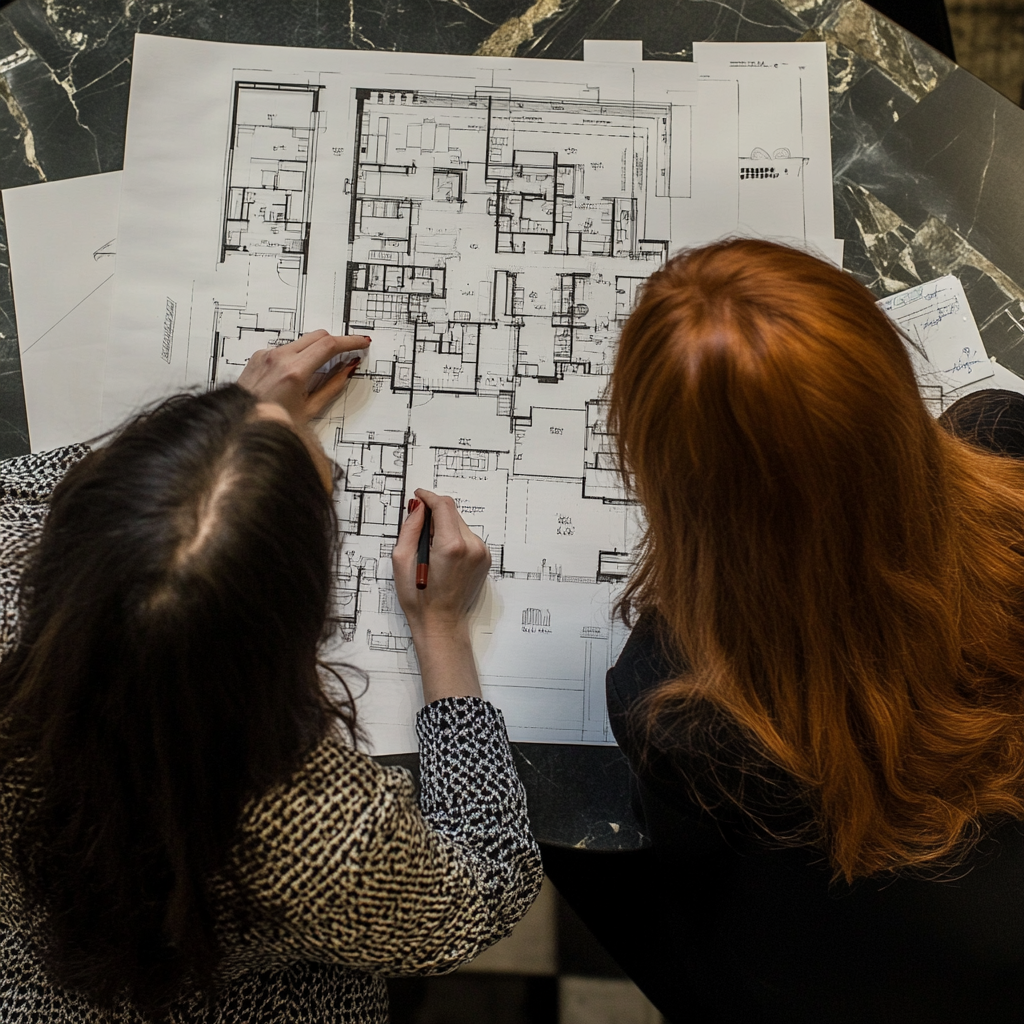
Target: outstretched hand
[(292, 375)]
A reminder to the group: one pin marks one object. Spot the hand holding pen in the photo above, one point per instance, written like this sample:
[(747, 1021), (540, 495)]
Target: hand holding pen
[(435, 535)]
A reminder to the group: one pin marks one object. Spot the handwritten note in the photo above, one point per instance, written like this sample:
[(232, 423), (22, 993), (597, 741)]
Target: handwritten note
[(947, 349)]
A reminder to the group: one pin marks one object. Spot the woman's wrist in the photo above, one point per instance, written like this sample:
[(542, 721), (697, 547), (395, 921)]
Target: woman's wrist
[(438, 627), (447, 664)]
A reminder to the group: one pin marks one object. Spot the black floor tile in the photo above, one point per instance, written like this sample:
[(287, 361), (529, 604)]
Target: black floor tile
[(579, 952), (474, 999)]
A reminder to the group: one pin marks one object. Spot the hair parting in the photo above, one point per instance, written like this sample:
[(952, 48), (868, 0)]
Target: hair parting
[(166, 673)]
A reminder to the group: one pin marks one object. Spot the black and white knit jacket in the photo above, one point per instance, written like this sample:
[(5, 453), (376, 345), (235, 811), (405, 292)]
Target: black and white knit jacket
[(338, 878)]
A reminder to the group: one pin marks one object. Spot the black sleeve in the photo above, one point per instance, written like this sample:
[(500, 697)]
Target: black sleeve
[(701, 781), (663, 799)]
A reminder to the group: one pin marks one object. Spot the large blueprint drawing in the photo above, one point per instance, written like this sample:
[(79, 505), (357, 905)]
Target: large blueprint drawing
[(488, 223)]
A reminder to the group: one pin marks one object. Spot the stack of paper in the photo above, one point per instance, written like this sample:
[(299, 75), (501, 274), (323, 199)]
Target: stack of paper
[(488, 222), (944, 343), (751, 157)]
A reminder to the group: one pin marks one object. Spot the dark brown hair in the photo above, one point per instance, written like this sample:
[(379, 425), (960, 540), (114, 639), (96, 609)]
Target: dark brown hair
[(166, 673), (843, 577)]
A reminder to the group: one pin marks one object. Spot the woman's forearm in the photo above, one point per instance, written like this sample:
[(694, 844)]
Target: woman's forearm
[(447, 665)]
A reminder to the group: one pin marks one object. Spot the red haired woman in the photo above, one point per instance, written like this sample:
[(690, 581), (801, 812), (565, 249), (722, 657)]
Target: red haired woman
[(822, 699)]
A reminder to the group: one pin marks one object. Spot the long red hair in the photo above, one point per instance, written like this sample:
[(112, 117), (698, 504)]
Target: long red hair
[(844, 578)]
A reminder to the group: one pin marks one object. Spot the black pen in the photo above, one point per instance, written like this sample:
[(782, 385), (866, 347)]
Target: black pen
[(423, 551)]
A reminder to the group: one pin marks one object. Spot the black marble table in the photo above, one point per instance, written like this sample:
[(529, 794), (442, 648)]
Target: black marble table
[(926, 164)]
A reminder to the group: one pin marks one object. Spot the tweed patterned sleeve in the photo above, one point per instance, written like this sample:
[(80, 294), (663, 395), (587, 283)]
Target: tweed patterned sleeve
[(340, 865), (470, 792), (30, 479), (25, 487)]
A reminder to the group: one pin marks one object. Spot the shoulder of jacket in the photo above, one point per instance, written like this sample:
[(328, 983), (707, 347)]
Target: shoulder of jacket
[(33, 475)]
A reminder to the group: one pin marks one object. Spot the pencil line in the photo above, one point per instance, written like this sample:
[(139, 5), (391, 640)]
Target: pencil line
[(66, 315)]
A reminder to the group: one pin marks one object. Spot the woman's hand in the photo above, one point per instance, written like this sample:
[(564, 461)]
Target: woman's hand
[(439, 614), (459, 561), (290, 374)]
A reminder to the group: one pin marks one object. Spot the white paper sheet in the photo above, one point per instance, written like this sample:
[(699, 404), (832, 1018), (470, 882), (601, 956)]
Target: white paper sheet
[(613, 51), (487, 222), (771, 112), (61, 236), (473, 176), (179, 120), (948, 353)]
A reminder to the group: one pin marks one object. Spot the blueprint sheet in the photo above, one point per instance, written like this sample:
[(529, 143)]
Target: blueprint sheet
[(488, 222), (61, 238)]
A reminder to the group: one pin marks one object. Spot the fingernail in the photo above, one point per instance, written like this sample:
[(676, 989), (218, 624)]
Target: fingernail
[(368, 338), (414, 503), (353, 366)]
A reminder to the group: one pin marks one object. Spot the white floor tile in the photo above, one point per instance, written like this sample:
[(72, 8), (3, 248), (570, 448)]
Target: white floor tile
[(603, 1001), (532, 948)]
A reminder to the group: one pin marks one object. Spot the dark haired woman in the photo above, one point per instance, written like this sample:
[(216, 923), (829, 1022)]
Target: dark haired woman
[(822, 699), (187, 830)]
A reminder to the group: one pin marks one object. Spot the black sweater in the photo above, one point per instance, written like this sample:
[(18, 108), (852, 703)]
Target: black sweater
[(762, 933)]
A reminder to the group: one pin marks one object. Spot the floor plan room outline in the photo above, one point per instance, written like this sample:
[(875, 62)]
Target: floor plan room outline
[(266, 219)]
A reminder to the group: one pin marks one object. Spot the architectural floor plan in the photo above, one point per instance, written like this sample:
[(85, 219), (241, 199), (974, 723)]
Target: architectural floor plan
[(497, 242), (488, 222), (266, 219)]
